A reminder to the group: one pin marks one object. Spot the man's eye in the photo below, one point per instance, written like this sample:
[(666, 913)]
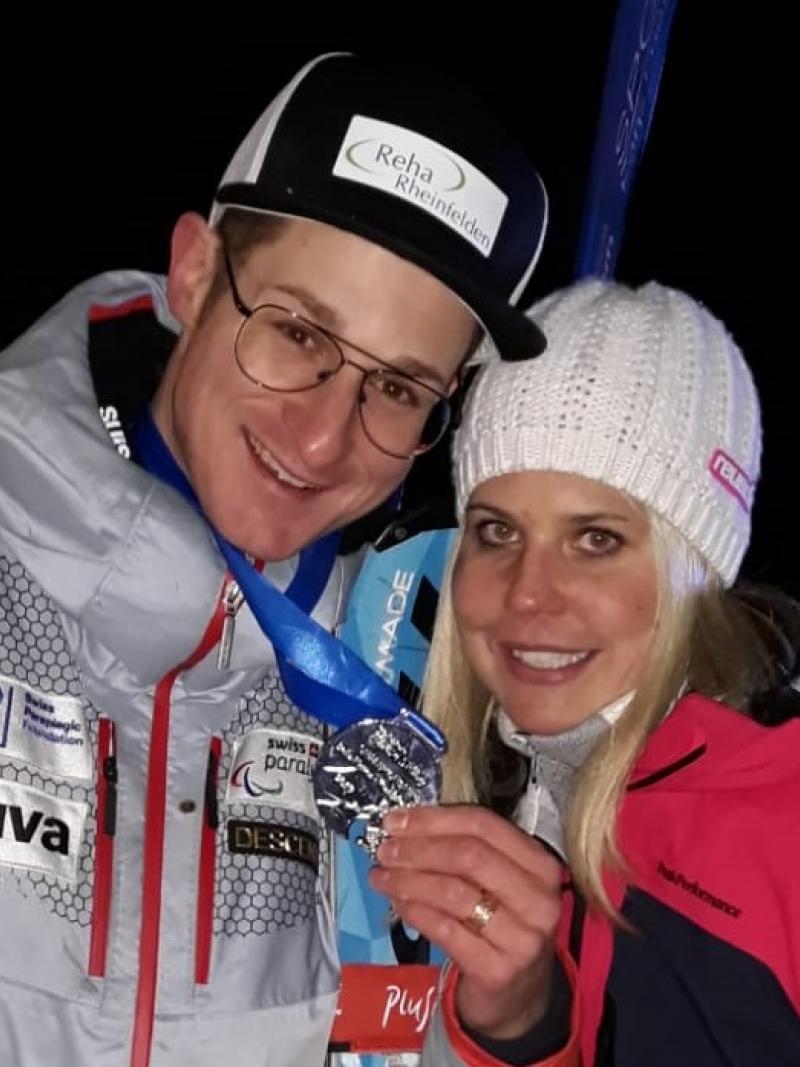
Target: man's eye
[(397, 390), (297, 334)]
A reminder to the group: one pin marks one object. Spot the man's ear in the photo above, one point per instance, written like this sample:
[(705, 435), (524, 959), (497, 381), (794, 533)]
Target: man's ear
[(193, 264)]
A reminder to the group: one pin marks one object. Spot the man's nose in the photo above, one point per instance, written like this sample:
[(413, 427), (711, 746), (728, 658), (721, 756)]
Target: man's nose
[(325, 420)]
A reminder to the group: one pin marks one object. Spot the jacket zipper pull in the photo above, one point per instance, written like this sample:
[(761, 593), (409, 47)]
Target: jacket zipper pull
[(232, 600), (212, 806), (110, 808)]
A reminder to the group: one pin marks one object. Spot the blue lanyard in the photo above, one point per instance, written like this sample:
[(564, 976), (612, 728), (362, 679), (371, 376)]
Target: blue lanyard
[(320, 674)]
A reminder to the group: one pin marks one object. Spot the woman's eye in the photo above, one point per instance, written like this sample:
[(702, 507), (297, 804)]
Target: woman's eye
[(599, 542), (494, 532)]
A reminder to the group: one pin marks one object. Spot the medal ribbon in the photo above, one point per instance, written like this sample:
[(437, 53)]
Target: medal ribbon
[(319, 673)]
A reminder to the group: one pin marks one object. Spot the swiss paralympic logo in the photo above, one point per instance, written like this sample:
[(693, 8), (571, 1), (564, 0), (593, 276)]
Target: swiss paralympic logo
[(242, 779)]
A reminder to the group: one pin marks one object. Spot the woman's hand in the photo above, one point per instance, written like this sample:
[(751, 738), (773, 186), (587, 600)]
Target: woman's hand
[(437, 865)]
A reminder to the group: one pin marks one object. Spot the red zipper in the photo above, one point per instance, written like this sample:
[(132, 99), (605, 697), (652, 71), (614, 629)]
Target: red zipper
[(205, 888), (153, 860), (106, 817)]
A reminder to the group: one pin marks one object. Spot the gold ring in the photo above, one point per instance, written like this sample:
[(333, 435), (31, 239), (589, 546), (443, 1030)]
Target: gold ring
[(482, 912)]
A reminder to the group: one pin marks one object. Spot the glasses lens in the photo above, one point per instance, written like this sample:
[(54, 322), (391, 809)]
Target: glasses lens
[(435, 425), (402, 416), (281, 350)]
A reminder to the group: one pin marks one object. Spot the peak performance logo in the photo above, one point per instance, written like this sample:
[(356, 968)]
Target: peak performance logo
[(676, 878), (425, 174)]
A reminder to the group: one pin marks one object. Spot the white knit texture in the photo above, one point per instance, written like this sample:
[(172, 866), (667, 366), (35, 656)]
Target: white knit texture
[(638, 389)]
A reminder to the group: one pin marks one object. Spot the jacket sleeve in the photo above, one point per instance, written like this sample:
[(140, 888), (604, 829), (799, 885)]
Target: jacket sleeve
[(447, 1045)]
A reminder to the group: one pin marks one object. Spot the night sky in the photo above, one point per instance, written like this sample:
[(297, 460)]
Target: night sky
[(111, 130)]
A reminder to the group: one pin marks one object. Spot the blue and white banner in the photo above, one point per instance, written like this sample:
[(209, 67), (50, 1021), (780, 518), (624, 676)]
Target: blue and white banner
[(389, 623), (638, 49)]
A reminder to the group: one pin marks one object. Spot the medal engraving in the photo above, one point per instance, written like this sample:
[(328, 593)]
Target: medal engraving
[(372, 766)]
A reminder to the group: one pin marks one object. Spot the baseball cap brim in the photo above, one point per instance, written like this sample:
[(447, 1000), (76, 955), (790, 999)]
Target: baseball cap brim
[(515, 336)]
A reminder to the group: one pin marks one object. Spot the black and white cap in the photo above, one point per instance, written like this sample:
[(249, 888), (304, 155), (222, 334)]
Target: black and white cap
[(412, 162)]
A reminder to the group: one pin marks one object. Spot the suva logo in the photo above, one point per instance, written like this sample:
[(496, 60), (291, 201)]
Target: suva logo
[(379, 157), (53, 833), (242, 779)]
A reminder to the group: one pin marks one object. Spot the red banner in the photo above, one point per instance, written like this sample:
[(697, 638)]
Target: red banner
[(384, 1008)]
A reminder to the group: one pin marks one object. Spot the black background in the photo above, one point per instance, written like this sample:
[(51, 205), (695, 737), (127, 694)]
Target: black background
[(111, 128)]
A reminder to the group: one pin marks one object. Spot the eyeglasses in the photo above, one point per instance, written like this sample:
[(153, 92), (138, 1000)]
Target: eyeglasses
[(279, 350)]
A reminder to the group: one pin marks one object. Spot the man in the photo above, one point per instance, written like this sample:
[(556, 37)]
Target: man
[(159, 844)]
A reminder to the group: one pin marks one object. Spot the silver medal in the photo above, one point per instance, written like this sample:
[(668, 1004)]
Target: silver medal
[(372, 766)]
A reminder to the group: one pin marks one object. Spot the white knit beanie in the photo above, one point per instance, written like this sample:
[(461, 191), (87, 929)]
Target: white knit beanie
[(643, 390)]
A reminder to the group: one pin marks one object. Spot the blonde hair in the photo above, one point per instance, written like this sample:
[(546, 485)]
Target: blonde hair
[(705, 639)]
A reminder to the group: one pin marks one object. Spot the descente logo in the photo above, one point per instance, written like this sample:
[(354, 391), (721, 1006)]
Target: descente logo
[(697, 890)]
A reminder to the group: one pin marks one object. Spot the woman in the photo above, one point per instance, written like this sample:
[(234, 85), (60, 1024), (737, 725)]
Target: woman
[(593, 672)]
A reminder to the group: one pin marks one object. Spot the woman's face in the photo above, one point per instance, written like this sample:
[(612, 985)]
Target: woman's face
[(555, 595)]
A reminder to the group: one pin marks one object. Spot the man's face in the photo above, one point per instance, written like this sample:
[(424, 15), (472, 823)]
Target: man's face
[(274, 471)]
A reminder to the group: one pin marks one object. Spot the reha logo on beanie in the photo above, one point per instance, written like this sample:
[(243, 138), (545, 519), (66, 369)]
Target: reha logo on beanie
[(732, 478)]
